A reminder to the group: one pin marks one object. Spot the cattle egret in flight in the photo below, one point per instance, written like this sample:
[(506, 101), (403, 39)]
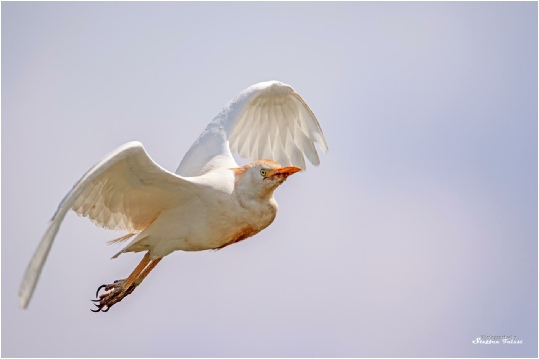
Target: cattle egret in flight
[(209, 203)]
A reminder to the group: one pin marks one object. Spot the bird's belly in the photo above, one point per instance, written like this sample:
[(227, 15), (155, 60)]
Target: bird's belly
[(214, 227), (230, 227)]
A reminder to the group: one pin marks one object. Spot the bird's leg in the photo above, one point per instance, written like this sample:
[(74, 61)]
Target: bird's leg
[(142, 275), (118, 290)]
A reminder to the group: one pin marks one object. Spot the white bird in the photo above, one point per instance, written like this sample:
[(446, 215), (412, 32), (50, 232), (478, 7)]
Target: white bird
[(209, 203)]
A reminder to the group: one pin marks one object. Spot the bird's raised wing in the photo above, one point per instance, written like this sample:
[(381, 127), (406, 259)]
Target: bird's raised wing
[(126, 190), (268, 120)]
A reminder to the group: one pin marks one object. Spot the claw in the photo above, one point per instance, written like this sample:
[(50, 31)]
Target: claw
[(112, 294), (98, 289), (104, 300)]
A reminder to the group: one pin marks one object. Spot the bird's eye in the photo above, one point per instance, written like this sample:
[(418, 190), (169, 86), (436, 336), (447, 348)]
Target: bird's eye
[(263, 172)]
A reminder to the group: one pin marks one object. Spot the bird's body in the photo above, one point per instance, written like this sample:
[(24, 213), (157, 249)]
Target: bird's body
[(218, 215), (209, 203)]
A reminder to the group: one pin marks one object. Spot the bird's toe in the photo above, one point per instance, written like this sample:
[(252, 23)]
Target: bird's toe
[(112, 294)]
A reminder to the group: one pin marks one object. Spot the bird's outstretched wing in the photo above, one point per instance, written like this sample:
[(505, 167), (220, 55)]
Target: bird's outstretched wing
[(268, 120), (126, 190)]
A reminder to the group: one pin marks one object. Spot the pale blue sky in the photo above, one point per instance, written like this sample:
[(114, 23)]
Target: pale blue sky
[(416, 235)]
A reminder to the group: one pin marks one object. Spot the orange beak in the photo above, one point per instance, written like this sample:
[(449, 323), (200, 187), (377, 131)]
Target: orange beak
[(284, 171)]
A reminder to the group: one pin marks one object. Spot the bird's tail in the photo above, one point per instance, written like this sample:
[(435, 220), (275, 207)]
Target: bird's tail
[(121, 239)]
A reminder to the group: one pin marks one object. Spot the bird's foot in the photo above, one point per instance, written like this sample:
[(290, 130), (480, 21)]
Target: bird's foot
[(113, 294)]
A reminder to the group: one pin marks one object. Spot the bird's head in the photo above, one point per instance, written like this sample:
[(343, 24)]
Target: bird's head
[(261, 178)]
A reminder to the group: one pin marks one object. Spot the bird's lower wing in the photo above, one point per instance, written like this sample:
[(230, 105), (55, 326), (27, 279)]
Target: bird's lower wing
[(126, 190), (268, 120)]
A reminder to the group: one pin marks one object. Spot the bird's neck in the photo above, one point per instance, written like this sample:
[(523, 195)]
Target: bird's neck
[(249, 196)]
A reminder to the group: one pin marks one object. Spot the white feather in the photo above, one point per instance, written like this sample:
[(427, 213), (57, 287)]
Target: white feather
[(260, 123), (128, 169)]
